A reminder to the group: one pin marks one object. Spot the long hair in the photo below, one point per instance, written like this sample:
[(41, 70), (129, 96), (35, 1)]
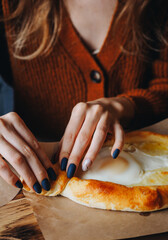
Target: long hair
[(41, 19)]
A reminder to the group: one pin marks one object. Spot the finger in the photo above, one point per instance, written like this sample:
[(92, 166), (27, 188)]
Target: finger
[(29, 138), (8, 175), (97, 142), (73, 127), (119, 140), (55, 156), (14, 139), (16, 159), (82, 141)]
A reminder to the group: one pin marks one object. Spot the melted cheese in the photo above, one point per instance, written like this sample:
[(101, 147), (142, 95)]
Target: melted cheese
[(133, 167)]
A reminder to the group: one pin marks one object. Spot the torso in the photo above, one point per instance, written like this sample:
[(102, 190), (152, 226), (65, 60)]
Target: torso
[(47, 88), (91, 19)]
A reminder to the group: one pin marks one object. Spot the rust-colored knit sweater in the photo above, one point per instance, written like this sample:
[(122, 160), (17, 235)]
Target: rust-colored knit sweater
[(47, 88)]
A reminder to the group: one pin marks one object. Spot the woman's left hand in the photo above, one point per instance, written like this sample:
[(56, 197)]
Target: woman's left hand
[(87, 129)]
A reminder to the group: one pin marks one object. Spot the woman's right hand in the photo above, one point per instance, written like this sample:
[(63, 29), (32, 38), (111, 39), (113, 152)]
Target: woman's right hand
[(21, 149)]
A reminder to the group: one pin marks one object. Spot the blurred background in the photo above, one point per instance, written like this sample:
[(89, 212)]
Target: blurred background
[(6, 97)]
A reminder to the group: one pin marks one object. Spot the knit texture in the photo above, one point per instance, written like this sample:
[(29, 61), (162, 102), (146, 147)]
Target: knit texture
[(47, 88)]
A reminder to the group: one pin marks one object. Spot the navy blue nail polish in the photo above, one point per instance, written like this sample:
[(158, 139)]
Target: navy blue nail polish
[(116, 153), (71, 170), (64, 164), (37, 188), (18, 184), (51, 173), (54, 158), (46, 184)]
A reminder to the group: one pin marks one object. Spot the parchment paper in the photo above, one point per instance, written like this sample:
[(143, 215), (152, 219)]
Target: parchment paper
[(60, 218), (7, 192)]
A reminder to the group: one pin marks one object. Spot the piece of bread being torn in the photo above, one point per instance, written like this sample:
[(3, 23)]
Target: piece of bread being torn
[(136, 181)]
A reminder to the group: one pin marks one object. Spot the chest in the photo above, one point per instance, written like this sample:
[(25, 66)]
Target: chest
[(92, 20)]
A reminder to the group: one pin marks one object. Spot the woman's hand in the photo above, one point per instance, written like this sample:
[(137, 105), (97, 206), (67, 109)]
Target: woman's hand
[(87, 129), (20, 148)]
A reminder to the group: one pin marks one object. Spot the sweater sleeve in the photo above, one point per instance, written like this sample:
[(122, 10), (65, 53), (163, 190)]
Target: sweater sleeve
[(151, 104)]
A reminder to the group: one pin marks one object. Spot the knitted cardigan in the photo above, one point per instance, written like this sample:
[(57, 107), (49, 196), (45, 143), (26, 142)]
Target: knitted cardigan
[(47, 88)]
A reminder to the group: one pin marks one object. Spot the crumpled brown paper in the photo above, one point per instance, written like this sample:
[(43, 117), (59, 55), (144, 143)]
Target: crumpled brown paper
[(7, 192), (60, 218)]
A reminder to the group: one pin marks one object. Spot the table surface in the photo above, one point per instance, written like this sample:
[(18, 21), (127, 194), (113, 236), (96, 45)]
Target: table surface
[(17, 221)]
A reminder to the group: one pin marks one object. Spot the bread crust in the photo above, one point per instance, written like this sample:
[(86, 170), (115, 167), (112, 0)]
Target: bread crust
[(56, 186), (112, 196)]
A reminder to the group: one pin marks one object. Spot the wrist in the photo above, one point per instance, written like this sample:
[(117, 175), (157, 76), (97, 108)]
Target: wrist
[(126, 109)]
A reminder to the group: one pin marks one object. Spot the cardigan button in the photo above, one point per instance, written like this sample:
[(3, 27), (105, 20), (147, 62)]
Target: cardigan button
[(95, 76)]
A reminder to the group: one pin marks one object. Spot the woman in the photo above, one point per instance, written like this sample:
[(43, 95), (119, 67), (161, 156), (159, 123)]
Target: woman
[(80, 69)]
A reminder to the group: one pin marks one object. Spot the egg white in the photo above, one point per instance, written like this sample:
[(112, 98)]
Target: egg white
[(133, 167)]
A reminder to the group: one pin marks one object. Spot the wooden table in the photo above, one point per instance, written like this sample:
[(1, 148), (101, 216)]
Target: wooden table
[(17, 221)]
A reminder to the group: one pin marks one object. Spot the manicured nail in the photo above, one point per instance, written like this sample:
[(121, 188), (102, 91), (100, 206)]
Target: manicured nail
[(71, 170), (51, 173), (18, 184), (86, 164), (64, 164), (46, 184), (37, 187), (54, 158), (115, 153)]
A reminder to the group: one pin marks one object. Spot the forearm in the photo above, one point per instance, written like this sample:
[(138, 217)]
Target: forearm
[(150, 105)]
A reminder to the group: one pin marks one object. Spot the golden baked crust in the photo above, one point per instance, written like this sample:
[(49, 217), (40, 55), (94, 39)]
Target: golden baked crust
[(56, 186), (112, 196)]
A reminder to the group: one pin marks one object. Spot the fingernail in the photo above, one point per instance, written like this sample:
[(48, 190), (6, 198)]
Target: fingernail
[(86, 164), (54, 158), (71, 170), (64, 164), (18, 184), (51, 173), (115, 153), (46, 184), (37, 188)]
